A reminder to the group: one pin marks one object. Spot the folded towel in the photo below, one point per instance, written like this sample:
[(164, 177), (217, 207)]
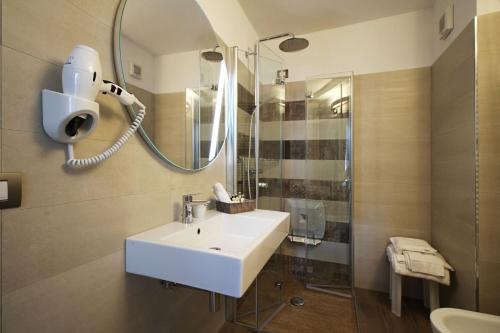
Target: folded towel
[(401, 269), (426, 263), (400, 258), (221, 193), (411, 244)]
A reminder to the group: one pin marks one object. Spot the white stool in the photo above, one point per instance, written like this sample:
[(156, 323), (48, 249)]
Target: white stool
[(431, 293)]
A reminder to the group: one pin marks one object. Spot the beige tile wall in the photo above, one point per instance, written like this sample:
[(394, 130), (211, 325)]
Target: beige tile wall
[(488, 63), (62, 251), (148, 99), (453, 166), (391, 167), (170, 125)]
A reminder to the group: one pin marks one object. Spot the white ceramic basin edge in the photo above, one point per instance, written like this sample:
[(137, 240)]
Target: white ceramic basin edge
[(221, 253)]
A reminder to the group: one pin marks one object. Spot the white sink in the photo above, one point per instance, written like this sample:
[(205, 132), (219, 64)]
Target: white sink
[(222, 253)]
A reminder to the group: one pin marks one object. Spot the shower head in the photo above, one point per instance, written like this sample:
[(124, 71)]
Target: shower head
[(293, 44), (212, 55)]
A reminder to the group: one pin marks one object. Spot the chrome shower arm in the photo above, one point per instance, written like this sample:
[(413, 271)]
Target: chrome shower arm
[(286, 34)]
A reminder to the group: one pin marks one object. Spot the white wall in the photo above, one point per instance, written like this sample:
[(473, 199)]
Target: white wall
[(161, 74), (176, 72), (487, 6), (230, 22), (403, 41), (391, 43), (133, 52), (465, 10)]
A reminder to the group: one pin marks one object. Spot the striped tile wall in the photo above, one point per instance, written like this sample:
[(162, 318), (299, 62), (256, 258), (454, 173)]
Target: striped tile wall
[(304, 158), (299, 157)]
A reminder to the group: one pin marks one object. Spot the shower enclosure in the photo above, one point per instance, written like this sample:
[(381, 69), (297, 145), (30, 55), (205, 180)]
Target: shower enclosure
[(294, 154)]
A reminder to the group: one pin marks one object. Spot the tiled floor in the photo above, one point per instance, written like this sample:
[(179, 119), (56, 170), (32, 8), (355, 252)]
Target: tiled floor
[(320, 313), (375, 316), (330, 314)]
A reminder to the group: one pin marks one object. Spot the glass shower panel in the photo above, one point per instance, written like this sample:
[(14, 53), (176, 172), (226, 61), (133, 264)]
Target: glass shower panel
[(264, 298), (269, 177), (245, 307), (272, 108), (328, 184), (246, 125)]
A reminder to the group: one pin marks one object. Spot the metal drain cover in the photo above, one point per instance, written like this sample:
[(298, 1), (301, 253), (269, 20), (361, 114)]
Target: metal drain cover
[(297, 301)]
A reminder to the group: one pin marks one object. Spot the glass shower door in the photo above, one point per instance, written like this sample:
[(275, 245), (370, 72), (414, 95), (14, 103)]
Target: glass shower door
[(261, 179), (269, 176), (328, 184)]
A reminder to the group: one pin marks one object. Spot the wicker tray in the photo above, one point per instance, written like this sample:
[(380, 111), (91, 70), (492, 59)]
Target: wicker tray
[(235, 208)]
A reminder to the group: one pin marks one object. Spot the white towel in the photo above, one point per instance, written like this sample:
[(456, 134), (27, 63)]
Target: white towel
[(400, 258), (221, 193), (400, 268), (411, 244), (426, 263)]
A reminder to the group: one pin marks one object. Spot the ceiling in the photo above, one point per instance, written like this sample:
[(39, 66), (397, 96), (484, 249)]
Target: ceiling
[(270, 17), (162, 26)]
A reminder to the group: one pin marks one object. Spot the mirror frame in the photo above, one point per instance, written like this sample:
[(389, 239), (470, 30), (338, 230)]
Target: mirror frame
[(121, 82)]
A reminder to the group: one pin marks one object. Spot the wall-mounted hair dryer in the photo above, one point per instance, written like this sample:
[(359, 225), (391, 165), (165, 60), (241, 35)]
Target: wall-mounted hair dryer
[(73, 115)]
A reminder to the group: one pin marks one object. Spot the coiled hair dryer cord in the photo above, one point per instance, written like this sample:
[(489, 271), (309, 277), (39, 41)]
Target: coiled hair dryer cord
[(126, 99)]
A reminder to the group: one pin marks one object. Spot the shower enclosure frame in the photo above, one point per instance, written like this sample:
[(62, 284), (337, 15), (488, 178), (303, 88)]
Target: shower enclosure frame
[(231, 173), (232, 169)]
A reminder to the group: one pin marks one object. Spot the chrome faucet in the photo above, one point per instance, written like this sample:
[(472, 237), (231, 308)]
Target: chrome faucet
[(187, 209)]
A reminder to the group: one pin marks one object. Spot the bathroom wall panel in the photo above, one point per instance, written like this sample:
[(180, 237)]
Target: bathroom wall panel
[(38, 30), (391, 167), (99, 297), (453, 166), (171, 131), (102, 10), (488, 80), (48, 183), (148, 99), (62, 251)]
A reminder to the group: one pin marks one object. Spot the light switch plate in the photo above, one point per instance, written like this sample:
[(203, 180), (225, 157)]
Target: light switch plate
[(4, 190), (14, 189)]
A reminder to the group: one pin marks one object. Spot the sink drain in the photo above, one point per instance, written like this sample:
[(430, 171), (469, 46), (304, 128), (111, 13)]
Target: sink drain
[(216, 248), (297, 301)]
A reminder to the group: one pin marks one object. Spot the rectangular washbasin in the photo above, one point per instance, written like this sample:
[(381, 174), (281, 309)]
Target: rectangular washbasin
[(222, 253)]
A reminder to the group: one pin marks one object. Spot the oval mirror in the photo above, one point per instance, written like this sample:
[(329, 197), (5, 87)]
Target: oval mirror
[(168, 56)]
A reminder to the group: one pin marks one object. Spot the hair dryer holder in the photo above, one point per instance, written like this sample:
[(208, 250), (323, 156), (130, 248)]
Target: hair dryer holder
[(59, 109)]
